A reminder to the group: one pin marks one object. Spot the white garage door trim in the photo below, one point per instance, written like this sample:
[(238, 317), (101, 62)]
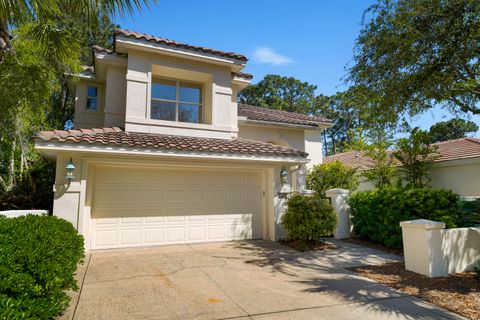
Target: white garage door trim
[(176, 205)]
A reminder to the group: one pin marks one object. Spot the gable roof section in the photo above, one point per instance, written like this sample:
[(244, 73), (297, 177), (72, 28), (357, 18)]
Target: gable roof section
[(171, 43), (458, 149), (277, 116), (117, 137)]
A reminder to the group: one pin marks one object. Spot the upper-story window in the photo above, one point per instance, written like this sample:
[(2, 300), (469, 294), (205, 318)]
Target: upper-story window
[(92, 98), (176, 101)]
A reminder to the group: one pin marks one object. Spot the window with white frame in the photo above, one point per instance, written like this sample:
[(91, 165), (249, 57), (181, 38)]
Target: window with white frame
[(92, 98), (176, 101)]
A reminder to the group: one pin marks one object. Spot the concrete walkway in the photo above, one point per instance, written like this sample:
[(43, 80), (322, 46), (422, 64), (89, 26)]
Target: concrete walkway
[(239, 280)]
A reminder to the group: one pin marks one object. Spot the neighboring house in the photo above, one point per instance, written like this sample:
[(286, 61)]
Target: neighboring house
[(175, 159), (457, 167)]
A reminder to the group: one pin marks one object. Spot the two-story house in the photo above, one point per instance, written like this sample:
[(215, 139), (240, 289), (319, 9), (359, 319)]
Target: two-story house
[(162, 153)]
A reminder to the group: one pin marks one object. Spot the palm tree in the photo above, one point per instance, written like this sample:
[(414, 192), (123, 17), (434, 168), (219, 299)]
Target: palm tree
[(43, 16)]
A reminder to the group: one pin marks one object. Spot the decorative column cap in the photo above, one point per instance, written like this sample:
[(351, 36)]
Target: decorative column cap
[(422, 224)]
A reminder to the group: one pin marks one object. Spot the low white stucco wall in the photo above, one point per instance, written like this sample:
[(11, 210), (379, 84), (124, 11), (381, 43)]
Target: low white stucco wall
[(436, 252), (461, 248)]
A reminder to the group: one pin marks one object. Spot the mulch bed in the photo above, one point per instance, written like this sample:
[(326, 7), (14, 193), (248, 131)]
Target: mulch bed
[(308, 245), (374, 245), (459, 293)]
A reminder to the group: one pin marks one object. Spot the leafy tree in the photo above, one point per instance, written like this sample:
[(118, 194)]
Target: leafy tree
[(417, 157), (281, 93), (452, 129), (27, 81), (88, 33), (331, 175), (383, 172), (414, 54), (45, 20), (353, 125)]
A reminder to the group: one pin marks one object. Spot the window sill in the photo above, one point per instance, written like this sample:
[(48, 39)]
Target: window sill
[(175, 124)]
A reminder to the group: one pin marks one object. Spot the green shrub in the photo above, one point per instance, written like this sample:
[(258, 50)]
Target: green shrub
[(470, 213), (376, 215), (308, 218), (38, 257), (331, 175)]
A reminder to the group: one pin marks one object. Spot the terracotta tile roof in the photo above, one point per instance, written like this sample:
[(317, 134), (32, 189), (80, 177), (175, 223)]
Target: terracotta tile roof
[(167, 42), (117, 137), (447, 150), (352, 159), (271, 115), (458, 149), (244, 75)]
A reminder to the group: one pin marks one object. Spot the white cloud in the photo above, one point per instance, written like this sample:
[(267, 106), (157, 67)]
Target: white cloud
[(269, 56)]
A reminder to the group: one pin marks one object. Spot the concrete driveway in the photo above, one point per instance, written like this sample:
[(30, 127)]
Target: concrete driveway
[(239, 280)]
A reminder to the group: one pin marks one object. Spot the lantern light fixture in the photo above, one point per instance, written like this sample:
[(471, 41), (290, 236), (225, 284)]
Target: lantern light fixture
[(70, 167), (284, 176)]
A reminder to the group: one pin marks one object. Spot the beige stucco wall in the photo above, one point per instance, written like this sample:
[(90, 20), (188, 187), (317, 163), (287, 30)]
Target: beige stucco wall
[(308, 141), (463, 177), (219, 108), (115, 96), (84, 118)]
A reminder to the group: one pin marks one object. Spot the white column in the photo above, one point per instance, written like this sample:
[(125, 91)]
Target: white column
[(339, 199), (422, 247)]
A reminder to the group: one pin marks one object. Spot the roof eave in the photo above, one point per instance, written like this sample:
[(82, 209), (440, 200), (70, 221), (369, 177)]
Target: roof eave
[(123, 43), (51, 148), (246, 121)]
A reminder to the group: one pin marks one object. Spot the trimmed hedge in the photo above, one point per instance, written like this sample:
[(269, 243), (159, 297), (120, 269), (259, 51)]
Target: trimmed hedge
[(38, 257), (308, 218), (376, 215)]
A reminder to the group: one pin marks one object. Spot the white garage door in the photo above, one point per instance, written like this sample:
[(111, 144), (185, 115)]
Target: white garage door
[(143, 207)]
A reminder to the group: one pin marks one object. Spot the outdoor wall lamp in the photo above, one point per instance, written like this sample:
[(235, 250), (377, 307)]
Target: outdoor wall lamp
[(285, 190), (70, 167), (284, 176)]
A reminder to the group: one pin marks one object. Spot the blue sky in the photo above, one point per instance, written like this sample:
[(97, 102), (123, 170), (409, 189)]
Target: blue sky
[(309, 40)]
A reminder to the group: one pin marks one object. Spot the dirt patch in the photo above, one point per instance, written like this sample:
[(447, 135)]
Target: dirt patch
[(308, 245), (374, 245), (459, 293)]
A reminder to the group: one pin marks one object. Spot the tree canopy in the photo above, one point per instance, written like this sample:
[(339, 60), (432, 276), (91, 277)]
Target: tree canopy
[(452, 129), (281, 93), (417, 157), (414, 54), (45, 20)]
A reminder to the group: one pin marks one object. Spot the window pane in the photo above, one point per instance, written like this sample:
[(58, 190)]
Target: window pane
[(92, 103), (91, 91), (162, 110), (190, 93), (189, 113), (164, 90)]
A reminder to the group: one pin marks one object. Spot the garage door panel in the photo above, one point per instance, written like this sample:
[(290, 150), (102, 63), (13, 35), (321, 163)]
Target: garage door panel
[(175, 177), (107, 195), (175, 234), (215, 232), (196, 178), (132, 176), (154, 207), (175, 196), (105, 238), (130, 237), (195, 196), (196, 233), (154, 235), (239, 232), (216, 178)]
